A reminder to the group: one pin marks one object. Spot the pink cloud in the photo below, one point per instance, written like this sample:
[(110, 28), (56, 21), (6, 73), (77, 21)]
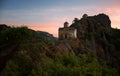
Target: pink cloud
[(56, 20), (114, 14)]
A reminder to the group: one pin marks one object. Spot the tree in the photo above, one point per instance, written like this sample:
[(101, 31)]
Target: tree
[(85, 16), (14, 34), (75, 20)]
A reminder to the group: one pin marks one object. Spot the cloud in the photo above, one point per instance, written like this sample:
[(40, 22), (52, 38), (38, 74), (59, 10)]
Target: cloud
[(50, 19), (114, 14)]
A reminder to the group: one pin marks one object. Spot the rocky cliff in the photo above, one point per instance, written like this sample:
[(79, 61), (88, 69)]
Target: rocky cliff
[(99, 37)]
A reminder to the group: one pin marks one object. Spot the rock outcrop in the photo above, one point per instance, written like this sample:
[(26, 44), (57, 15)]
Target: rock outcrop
[(99, 37)]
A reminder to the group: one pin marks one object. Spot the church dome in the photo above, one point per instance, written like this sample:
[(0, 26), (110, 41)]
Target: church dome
[(66, 24)]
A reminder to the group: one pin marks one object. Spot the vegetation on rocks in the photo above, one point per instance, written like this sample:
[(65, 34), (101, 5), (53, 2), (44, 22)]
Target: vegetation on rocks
[(25, 52)]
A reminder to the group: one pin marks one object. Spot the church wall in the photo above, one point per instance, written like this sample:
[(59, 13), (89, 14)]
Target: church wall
[(67, 33)]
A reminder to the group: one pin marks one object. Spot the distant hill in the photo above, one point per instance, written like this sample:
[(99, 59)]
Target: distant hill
[(45, 35)]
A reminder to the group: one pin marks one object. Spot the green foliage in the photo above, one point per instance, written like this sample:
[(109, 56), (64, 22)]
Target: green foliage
[(75, 20), (19, 65), (10, 70), (76, 23), (85, 16), (108, 71), (63, 65), (33, 57), (71, 65), (14, 34)]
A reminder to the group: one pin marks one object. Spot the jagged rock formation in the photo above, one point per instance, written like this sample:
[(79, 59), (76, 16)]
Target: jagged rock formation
[(93, 30), (97, 35)]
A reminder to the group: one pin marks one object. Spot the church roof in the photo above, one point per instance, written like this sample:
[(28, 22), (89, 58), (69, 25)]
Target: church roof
[(68, 28), (66, 22)]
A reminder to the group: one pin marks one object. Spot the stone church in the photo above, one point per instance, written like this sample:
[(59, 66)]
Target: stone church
[(67, 32)]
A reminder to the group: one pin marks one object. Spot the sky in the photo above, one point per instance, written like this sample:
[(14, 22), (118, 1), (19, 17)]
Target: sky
[(49, 15)]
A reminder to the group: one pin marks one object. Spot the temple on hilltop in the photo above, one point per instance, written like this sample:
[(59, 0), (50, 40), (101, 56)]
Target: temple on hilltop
[(67, 32)]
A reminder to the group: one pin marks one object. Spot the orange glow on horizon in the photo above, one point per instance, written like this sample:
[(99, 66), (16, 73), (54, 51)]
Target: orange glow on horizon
[(50, 28)]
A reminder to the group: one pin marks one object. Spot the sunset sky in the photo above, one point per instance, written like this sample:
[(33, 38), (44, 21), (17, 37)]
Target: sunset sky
[(49, 15)]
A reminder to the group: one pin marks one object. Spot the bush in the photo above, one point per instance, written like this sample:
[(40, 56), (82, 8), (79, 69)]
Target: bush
[(70, 65), (14, 34)]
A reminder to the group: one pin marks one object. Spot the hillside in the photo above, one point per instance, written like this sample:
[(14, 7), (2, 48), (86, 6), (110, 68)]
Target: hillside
[(25, 52)]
